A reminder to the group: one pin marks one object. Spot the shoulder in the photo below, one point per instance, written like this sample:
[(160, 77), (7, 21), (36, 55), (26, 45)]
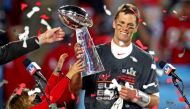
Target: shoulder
[(141, 54)]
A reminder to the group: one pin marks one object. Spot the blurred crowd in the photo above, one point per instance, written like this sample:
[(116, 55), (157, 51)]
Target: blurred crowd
[(164, 28)]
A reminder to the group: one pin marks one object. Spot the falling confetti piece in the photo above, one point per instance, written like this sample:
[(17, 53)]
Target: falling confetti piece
[(44, 22), (21, 86), (181, 99), (34, 10), (93, 95), (151, 53), (2, 31), (174, 11), (38, 3), (140, 20), (24, 36), (153, 66), (133, 59), (169, 81), (44, 16), (73, 96), (108, 12), (164, 11), (150, 85), (23, 6), (49, 9), (155, 107), (139, 43), (144, 23), (3, 82), (182, 54), (156, 59), (177, 92), (39, 32)]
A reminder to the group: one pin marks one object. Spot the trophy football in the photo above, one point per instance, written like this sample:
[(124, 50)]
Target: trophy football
[(77, 19)]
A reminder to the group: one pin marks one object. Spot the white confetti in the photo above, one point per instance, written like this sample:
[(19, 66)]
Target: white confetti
[(121, 43), (144, 23), (150, 85), (107, 92), (151, 53), (153, 66), (108, 12), (34, 10), (24, 36), (181, 54), (2, 31), (133, 59), (3, 82), (49, 9), (114, 81), (44, 22), (174, 11), (36, 90)]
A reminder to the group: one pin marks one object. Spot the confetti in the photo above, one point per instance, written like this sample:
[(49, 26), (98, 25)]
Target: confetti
[(73, 96), (24, 36), (21, 86), (181, 99), (182, 54), (139, 43), (164, 11), (140, 20), (169, 81), (133, 59), (3, 82), (153, 66), (23, 6), (2, 31), (93, 95), (38, 3), (150, 85), (49, 9), (34, 10), (156, 59), (36, 90), (121, 43), (44, 22), (44, 16), (174, 11), (144, 23), (108, 12), (151, 53), (154, 107)]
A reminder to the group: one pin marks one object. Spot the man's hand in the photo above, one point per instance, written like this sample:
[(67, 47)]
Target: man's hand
[(52, 35), (58, 68), (77, 67), (127, 93)]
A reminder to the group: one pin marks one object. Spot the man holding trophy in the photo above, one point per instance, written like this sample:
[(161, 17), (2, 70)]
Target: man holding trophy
[(126, 77)]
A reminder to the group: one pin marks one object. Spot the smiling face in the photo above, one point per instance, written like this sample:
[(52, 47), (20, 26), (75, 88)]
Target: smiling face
[(124, 25)]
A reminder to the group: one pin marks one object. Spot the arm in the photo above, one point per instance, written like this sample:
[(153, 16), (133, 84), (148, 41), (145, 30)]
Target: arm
[(76, 81), (14, 50)]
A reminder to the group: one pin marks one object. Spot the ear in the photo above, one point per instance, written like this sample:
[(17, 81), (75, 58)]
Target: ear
[(114, 24)]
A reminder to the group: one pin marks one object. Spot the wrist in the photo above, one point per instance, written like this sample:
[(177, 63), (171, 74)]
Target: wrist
[(142, 99)]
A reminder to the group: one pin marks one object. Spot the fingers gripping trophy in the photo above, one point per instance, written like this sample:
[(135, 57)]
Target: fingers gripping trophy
[(77, 19)]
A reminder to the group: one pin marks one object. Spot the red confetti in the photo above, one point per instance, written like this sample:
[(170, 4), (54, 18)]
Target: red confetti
[(39, 32), (155, 107), (93, 95), (156, 59), (169, 80), (38, 3), (21, 86), (139, 43), (140, 20), (62, 107), (44, 16), (23, 6), (181, 99), (164, 11), (73, 96)]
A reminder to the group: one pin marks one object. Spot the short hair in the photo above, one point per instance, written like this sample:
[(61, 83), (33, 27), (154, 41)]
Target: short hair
[(128, 9)]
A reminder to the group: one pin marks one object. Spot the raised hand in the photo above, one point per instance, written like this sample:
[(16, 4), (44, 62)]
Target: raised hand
[(52, 35), (77, 67)]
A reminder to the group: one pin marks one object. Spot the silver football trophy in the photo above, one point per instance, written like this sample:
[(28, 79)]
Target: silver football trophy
[(77, 19)]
